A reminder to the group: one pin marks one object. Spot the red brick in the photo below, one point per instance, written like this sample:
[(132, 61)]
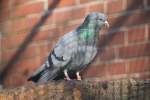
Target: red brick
[(114, 6), (65, 16), (136, 34), (7, 55), (20, 71), (4, 14), (136, 18), (96, 71), (78, 13), (5, 3), (42, 35), (43, 52), (134, 51), (4, 10), (30, 64), (18, 2), (107, 54), (148, 3), (114, 22), (1, 58), (6, 26), (30, 51), (49, 46), (69, 28), (96, 7), (105, 69), (129, 19), (103, 39), (51, 34), (59, 33), (62, 3), (17, 39), (145, 76), (139, 65), (86, 1), (13, 41), (20, 24), (134, 4), (116, 68), (55, 34), (149, 32), (28, 9), (7, 42), (117, 38), (24, 23), (69, 16), (0, 49), (112, 39)]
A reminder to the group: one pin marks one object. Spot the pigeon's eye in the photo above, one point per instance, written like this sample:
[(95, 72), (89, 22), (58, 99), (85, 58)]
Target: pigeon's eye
[(100, 19)]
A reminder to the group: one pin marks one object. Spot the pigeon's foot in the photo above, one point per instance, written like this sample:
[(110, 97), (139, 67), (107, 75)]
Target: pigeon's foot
[(66, 75), (78, 76), (68, 79)]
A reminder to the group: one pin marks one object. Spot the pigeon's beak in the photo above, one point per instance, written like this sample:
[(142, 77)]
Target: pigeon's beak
[(106, 24)]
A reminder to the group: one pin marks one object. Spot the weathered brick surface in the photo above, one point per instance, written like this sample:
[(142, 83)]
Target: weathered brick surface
[(114, 6), (124, 47), (134, 50), (137, 5), (24, 10), (81, 90), (136, 34), (64, 3), (135, 65), (107, 54)]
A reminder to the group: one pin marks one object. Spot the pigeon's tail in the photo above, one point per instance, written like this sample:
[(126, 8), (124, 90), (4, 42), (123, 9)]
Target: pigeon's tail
[(35, 78), (44, 74)]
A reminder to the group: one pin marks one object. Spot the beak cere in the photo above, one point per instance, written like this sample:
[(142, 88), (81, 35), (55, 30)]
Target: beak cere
[(106, 24)]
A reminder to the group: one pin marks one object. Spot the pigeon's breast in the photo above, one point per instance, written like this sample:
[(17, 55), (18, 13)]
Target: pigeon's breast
[(82, 56)]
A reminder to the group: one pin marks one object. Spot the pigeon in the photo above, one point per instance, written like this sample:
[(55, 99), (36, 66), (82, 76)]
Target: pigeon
[(74, 51)]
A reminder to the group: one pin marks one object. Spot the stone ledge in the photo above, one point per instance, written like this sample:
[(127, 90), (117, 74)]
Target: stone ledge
[(125, 89)]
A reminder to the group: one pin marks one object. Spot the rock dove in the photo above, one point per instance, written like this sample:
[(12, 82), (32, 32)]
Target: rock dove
[(74, 51)]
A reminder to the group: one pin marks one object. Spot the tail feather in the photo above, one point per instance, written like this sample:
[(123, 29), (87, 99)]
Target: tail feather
[(36, 77), (44, 75), (47, 75)]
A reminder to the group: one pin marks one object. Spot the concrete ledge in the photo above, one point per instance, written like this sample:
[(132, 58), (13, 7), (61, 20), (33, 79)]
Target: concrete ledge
[(125, 89)]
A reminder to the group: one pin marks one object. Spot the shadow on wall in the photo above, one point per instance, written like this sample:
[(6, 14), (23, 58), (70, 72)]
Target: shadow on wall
[(28, 39)]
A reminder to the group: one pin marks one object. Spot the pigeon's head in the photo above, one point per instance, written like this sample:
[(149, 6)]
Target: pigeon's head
[(92, 24), (96, 19)]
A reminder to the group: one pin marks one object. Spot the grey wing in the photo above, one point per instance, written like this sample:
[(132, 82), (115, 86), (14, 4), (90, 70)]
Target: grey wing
[(60, 57), (64, 49), (57, 61)]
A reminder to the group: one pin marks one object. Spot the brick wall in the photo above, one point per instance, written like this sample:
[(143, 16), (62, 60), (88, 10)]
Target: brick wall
[(31, 28)]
